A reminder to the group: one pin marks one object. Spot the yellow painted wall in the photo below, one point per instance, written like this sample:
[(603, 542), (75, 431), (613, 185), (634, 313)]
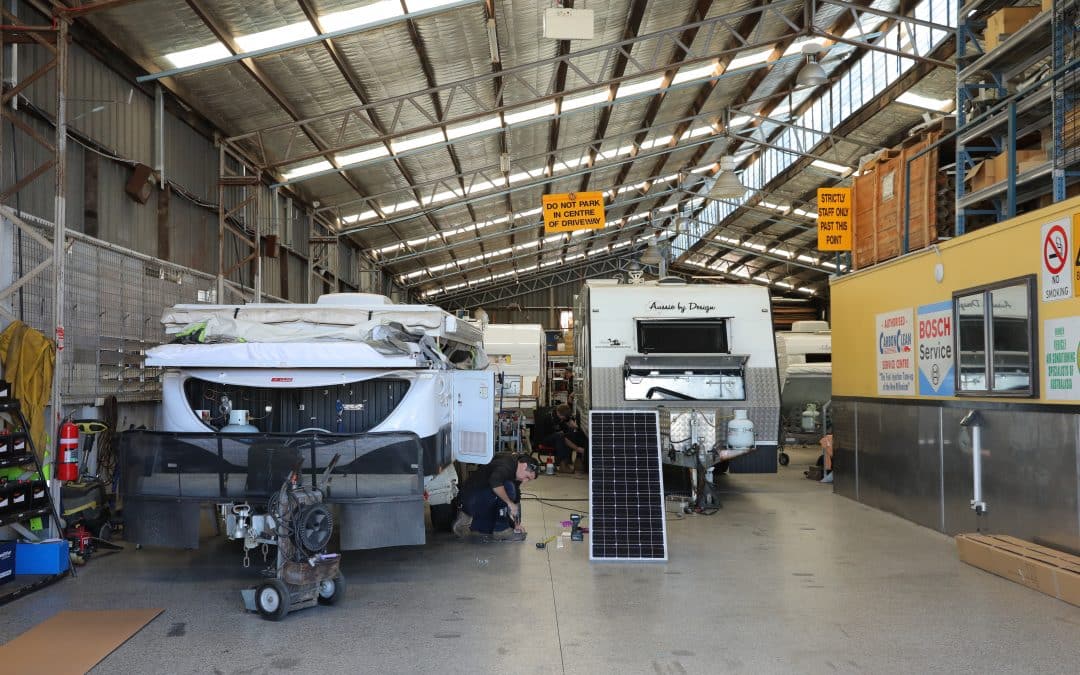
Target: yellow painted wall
[(1003, 251)]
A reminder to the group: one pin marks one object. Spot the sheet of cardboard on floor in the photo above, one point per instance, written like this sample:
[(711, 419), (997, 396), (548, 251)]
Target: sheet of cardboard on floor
[(87, 638), (1045, 569)]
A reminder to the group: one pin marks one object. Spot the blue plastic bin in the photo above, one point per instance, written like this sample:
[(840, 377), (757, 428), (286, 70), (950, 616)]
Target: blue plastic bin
[(49, 557), (7, 561)]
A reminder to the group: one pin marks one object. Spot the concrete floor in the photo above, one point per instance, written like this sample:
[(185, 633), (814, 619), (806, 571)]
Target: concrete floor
[(787, 577)]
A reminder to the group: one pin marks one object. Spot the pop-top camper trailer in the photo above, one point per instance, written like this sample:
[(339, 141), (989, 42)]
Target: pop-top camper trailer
[(701, 354), (808, 342), (518, 356), (250, 391)]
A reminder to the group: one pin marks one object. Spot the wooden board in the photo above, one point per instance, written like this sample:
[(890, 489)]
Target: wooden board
[(72, 642)]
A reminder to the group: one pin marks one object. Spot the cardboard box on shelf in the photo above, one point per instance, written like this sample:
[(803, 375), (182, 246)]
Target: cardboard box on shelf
[(1004, 22), (1044, 569), (1047, 5), (995, 169)]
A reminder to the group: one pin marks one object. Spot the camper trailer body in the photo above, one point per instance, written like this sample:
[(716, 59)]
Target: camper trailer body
[(697, 353)]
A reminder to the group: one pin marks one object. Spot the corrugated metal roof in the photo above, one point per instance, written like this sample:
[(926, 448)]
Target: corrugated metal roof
[(393, 92)]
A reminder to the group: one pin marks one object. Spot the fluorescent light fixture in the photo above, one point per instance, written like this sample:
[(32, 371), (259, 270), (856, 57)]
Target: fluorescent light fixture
[(402, 145), (699, 73), (584, 100), (363, 155), (529, 114), (307, 170), (749, 59), (829, 166), (936, 104), (476, 127), (191, 57), (639, 87)]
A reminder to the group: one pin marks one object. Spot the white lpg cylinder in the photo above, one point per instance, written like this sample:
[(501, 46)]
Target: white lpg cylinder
[(740, 432), (810, 417), (238, 423)]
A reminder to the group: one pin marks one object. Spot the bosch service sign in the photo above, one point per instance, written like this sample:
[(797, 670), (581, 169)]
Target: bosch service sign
[(1057, 262), (936, 361), (895, 358)]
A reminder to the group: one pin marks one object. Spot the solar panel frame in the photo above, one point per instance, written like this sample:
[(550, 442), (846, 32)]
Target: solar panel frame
[(627, 520)]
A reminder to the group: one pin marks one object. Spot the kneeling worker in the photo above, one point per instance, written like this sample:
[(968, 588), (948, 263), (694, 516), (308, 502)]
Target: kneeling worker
[(494, 489)]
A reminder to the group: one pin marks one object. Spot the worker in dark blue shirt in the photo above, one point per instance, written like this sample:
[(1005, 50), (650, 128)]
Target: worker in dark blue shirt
[(491, 498)]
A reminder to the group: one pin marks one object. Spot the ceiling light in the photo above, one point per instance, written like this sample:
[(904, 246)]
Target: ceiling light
[(651, 255), (728, 185), (811, 74)]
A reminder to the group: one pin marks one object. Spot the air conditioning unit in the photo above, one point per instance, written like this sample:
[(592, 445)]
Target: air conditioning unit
[(568, 24)]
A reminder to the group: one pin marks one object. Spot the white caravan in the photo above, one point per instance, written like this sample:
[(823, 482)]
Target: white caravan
[(701, 354), (518, 355), (350, 364), (808, 342)]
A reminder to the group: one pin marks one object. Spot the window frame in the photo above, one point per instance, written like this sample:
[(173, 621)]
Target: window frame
[(1032, 390)]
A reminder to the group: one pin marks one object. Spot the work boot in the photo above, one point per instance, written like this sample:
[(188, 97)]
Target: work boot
[(462, 524), (508, 534)]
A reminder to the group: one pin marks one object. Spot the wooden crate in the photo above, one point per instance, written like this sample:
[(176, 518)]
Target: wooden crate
[(880, 200)]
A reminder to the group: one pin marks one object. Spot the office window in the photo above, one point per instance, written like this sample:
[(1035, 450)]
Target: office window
[(995, 339)]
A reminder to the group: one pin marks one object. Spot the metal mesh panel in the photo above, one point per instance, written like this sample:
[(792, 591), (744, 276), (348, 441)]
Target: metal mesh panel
[(113, 303)]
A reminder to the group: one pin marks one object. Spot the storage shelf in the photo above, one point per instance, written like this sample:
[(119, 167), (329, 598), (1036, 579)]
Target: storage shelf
[(1023, 48), (24, 515), (18, 460), (1032, 105)]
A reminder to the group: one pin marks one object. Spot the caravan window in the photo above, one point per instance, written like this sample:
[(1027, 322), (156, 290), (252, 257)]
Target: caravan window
[(995, 339), (683, 336)]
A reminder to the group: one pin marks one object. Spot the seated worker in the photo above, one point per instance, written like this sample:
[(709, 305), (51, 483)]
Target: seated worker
[(552, 431), (578, 441), (491, 491)]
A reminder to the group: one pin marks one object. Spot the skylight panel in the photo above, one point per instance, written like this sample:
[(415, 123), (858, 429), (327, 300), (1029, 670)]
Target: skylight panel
[(639, 87), (191, 57), (476, 127), (699, 73), (937, 104), (351, 18), (403, 145), (569, 104), (529, 114), (363, 155), (275, 36), (307, 170), (750, 59)]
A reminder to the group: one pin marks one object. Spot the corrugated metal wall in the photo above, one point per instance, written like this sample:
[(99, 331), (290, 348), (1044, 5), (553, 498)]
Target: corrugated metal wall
[(540, 307)]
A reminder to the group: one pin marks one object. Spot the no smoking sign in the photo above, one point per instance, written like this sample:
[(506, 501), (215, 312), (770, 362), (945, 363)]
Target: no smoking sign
[(1057, 261)]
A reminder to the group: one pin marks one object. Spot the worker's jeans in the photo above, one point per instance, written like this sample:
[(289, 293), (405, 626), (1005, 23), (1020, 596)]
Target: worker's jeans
[(484, 507)]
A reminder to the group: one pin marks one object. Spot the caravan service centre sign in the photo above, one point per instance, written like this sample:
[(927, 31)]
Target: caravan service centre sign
[(835, 217), (573, 211)]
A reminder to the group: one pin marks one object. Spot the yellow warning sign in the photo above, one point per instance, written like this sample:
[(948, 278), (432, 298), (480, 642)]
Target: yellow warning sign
[(1076, 257), (834, 219), (573, 211)]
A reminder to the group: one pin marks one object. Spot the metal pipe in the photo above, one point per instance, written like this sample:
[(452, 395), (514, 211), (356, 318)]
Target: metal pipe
[(977, 502)]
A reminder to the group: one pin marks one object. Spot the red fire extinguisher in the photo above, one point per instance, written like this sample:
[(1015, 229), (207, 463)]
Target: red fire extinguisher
[(67, 463)]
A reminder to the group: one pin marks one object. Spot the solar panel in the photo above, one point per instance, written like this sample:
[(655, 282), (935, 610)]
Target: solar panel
[(626, 487)]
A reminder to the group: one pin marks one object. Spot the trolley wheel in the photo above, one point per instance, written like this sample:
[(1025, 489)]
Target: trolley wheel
[(272, 599), (783, 459), (332, 590), (442, 517), (105, 533)]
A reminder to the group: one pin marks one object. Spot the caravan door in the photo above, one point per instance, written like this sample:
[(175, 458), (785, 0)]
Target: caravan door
[(473, 421)]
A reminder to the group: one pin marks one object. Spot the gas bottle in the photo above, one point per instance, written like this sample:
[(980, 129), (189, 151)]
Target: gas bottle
[(810, 417), (740, 432), (67, 461)]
